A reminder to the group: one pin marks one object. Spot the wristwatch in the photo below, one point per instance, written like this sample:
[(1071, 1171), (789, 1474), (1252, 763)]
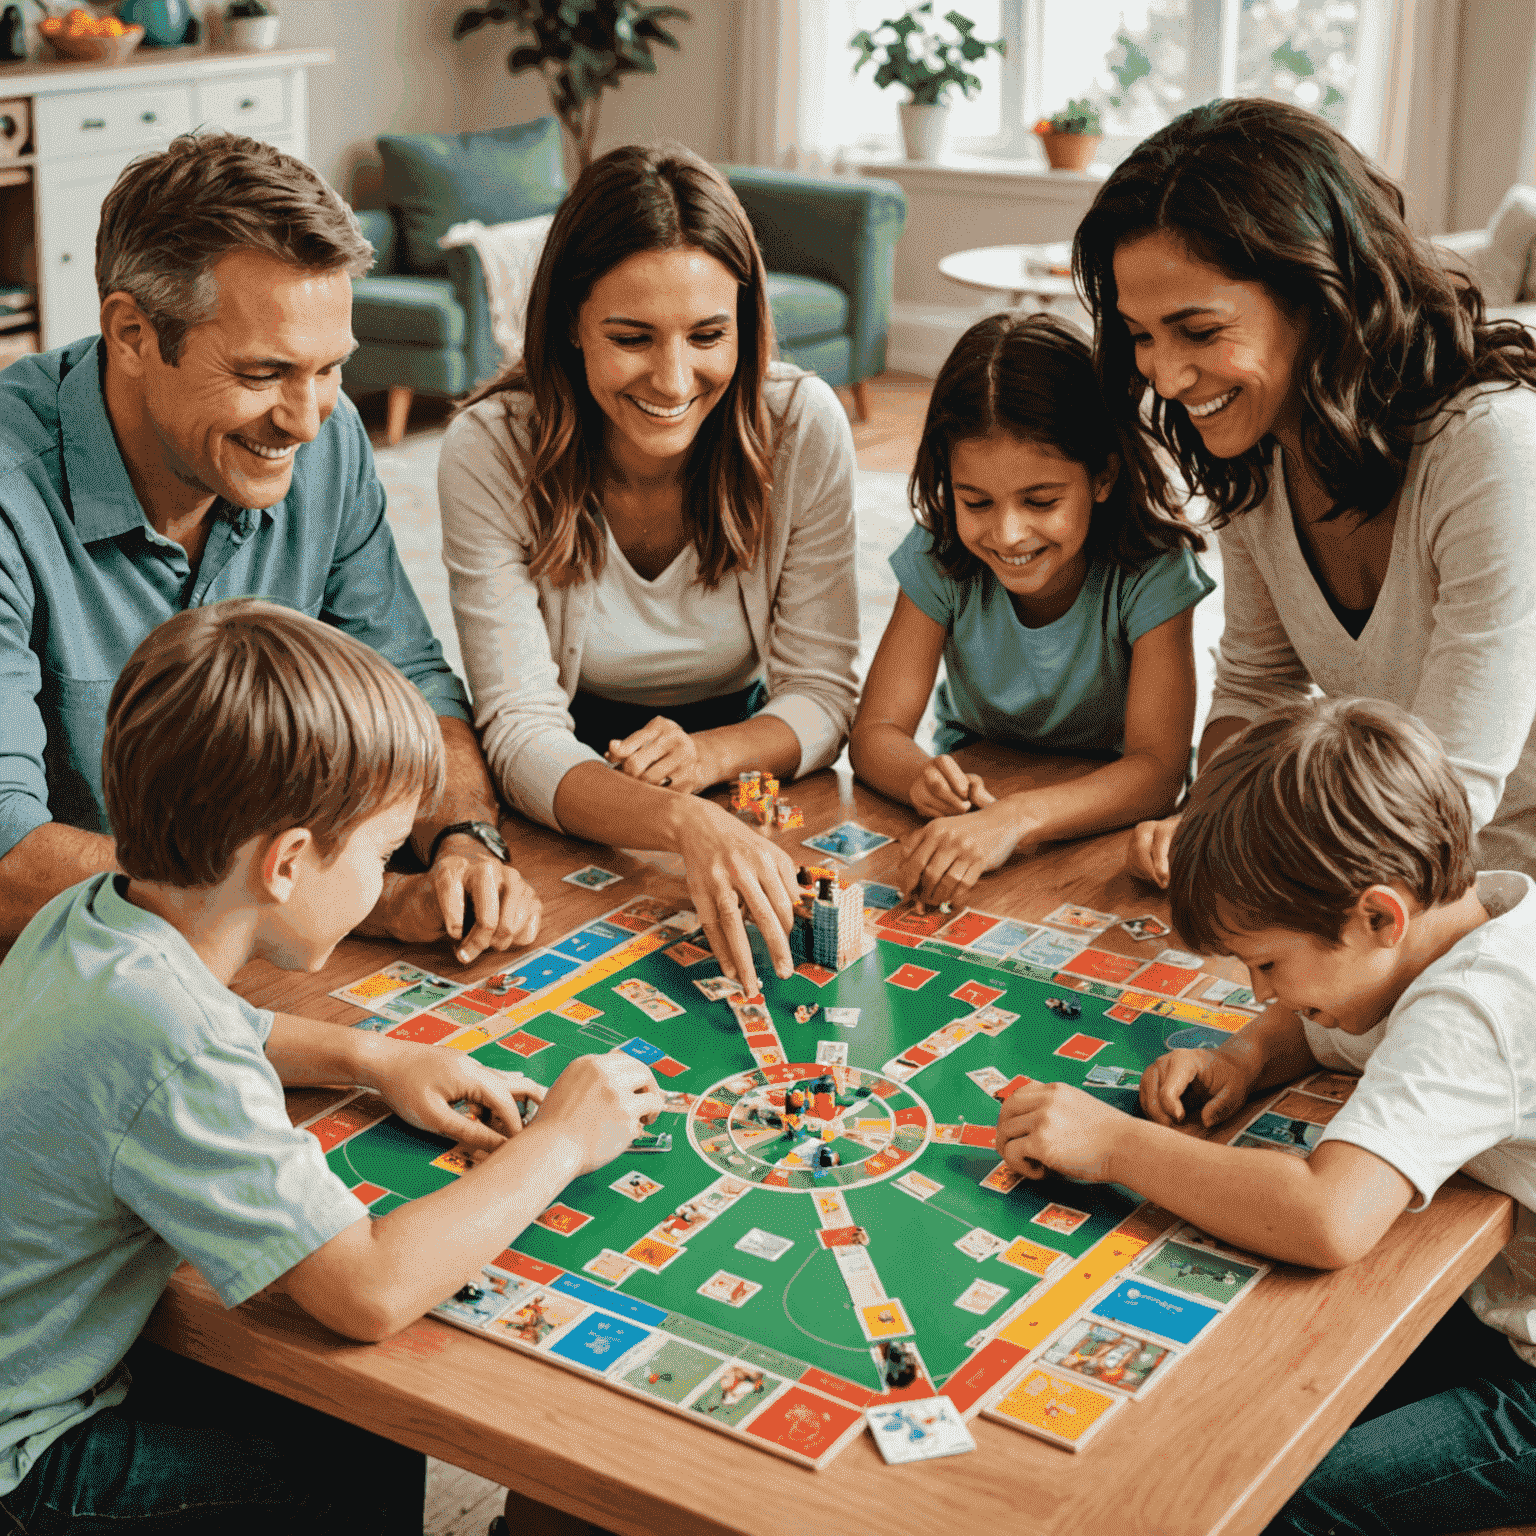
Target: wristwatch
[(481, 831)]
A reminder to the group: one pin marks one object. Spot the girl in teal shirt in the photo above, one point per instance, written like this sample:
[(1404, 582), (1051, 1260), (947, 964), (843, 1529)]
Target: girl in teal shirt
[(1059, 600)]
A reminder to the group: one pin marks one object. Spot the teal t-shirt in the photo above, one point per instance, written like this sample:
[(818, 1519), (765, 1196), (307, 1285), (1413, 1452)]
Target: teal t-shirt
[(1059, 688), (140, 1124)]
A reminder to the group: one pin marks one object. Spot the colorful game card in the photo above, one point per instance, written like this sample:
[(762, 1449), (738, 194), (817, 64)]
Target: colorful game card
[(988, 1079), (1103, 1076), (980, 1244), (764, 1245), (392, 980), (731, 1289), (736, 1393), (1205, 1273), (610, 1266), (1178, 1318), (578, 1012), (976, 994), (636, 1187), (832, 1053), (454, 1161), (483, 1298), (1002, 1178), (1005, 938), (1080, 1047), (537, 1318), (1102, 965), (919, 1185), (562, 1219), (980, 1296), (847, 840), (1051, 948), (1331, 1085), (1169, 980), (1109, 1355), (718, 988), (1122, 1014), (653, 1253), (1006, 1091), (1032, 1257), (885, 1319), (1299, 1105), (593, 878), (911, 977), (880, 898), (1060, 1218), (843, 1237), (968, 927), (1282, 1134), (817, 975), (1067, 1413), (687, 954), (1081, 919), (1148, 927), (521, 1043), (919, 1431), (844, 1018), (991, 1020)]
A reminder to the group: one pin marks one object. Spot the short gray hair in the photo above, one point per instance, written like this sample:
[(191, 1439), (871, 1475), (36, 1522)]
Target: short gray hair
[(172, 214)]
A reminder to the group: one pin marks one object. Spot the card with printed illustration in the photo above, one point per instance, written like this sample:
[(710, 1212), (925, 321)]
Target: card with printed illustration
[(610, 1266), (886, 1319), (844, 1018), (918, 1185), (967, 927), (1148, 927), (486, 1296), (1051, 948), (1081, 919), (1104, 1076), (847, 840), (832, 1053), (1032, 1257), (992, 1020), (1169, 1315), (1281, 1132), (988, 1079), (636, 1187), (980, 1296), (1203, 1272), (764, 1245), (1002, 1179), (733, 1290), (718, 988), (919, 1431), (393, 979), (1109, 1355), (1331, 1085), (1059, 1218), (533, 1319), (1004, 938), (562, 1219), (653, 1253), (1299, 1105), (1067, 1413), (980, 1244), (591, 877)]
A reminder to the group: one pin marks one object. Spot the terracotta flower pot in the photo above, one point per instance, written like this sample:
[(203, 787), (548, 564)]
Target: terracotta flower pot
[(1070, 151)]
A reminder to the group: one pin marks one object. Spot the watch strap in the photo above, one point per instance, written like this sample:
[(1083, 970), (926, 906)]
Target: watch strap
[(482, 831)]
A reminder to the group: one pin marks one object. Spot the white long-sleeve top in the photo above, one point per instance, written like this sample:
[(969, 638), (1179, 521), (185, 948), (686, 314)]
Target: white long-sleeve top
[(522, 639), (1452, 635)]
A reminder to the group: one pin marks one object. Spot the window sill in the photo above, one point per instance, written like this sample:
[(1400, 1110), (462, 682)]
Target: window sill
[(972, 176)]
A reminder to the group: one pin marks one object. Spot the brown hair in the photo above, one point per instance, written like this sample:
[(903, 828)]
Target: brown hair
[(172, 214), (635, 199), (1031, 376), (1269, 193), (241, 719), (1312, 805)]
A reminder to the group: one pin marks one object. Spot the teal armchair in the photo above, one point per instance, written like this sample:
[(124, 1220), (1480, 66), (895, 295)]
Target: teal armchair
[(422, 322)]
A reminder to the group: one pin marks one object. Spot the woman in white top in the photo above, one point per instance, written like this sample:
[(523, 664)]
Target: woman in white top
[(649, 534), (1366, 439)]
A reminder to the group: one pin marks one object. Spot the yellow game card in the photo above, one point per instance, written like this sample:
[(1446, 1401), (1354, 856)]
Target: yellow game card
[(1066, 1413), (1033, 1258), (885, 1319)]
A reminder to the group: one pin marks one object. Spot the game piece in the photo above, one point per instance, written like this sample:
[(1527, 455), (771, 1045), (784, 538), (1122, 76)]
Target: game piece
[(919, 1431), (787, 817), (1148, 927), (898, 1363), (826, 1157), (593, 878), (805, 1013), (1065, 1007), (828, 920)]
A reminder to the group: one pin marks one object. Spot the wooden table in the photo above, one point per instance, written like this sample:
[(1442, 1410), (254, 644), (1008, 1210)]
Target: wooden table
[(1218, 1448), (1021, 271)]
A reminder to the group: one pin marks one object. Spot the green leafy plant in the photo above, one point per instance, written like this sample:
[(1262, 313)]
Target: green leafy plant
[(582, 48), (1080, 116), (914, 52)]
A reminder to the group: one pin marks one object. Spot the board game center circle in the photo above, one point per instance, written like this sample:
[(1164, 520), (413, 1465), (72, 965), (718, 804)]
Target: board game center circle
[(807, 1126)]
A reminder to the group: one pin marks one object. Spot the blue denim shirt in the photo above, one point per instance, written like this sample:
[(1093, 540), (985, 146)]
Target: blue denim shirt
[(84, 577)]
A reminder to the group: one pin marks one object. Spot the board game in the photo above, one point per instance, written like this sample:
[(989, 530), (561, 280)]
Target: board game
[(821, 1224)]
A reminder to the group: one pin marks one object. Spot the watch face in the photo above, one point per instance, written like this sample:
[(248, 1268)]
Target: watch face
[(492, 839)]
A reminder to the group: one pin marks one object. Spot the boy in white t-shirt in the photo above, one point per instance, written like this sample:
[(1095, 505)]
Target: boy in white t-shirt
[(1329, 849)]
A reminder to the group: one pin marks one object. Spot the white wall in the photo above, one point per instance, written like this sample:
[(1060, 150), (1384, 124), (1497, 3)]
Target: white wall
[(1495, 117)]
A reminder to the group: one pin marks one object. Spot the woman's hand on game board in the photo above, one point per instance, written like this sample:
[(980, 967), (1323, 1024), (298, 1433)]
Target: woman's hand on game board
[(1147, 856), (1216, 1080), (1053, 1127), (661, 752), (943, 860), (944, 788), (598, 1105), (421, 1083)]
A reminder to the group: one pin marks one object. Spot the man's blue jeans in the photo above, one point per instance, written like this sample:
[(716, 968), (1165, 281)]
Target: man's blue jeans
[(191, 1450), (1449, 1444)]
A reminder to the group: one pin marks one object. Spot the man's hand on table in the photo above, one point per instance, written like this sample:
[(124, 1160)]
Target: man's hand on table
[(417, 909)]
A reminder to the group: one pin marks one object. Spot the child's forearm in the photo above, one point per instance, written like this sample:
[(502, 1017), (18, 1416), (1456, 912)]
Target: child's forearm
[(306, 1052), (1133, 788), (1272, 1049), (886, 758)]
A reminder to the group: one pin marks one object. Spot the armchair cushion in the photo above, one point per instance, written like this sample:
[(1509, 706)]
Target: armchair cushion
[(805, 309), (422, 311), (1504, 266), (378, 227), (436, 180)]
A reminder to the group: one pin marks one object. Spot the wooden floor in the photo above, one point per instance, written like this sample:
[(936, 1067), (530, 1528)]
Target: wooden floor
[(459, 1503)]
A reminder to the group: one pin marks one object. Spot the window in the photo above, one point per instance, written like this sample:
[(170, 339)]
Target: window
[(1141, 62)]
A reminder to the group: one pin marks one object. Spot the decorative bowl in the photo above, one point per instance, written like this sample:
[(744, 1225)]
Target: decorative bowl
[(89, 48)]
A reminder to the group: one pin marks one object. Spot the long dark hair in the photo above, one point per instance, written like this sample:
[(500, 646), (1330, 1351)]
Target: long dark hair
[(1031, 376), (633, 199), (1270, 193)]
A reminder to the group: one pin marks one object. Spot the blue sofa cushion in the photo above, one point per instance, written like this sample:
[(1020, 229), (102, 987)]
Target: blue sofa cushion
[(421, 311), (439, 179), (378, 227), (805, 308)]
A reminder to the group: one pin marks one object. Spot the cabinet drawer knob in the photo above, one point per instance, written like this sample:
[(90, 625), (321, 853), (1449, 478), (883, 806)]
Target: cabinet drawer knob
[(65, 257), (148, 117), (93, 122), (248, 103)]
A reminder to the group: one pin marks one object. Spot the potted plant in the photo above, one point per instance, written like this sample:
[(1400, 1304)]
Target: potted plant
[(250, 25), (914, 51), (582, 48), (1069, 137)]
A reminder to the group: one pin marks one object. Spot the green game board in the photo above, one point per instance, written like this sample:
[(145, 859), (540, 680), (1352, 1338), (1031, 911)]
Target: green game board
[(780, 1351)]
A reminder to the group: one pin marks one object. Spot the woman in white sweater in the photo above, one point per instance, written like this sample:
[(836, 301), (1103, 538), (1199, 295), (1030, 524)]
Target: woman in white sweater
[(1366, 440), (649, 535)]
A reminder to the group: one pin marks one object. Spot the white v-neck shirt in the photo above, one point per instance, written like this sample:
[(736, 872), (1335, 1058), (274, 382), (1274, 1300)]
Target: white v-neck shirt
[(668, 641), (1452, 636)]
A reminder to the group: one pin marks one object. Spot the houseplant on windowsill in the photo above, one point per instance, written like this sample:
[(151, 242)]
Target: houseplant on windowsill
[(1070, 137), (915, 51), (250, 26)]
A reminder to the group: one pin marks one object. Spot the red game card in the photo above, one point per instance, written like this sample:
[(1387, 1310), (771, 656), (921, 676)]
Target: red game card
[(818, 974), (1080, 1047), (424, 1030), (762, 1042), (910, 977), (968, 926), (1103, 966), (1121, 1014), (917, 1056), (804, 1422), (521, 1043), (978, 1136), (977, 994), (1170, 980), (368, 1193), (687, 954), (668, 1067), (562, 1219), (843, 1237), (907, 919), (1008, 1088)]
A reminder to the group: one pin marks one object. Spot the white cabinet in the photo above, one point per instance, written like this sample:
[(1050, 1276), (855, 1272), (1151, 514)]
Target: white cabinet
[(89, 121)]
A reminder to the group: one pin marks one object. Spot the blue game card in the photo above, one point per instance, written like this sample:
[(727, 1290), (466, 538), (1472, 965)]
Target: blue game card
[(1158, 1311), (600, 1341)]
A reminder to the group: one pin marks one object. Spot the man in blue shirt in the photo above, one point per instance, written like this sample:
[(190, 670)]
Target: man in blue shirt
[(200, 448)]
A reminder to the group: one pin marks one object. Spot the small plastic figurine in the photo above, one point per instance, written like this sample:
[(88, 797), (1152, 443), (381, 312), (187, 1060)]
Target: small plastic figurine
[(805, 1013), (1065, 1007), (899, 1365), (826, 1157), (470, 1293)]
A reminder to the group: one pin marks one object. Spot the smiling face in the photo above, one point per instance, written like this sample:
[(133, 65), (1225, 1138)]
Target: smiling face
[(1223, 349), (252, 383), (1023, 509), (659, 342)]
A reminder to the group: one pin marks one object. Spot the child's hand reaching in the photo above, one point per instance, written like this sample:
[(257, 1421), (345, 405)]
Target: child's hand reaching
[(1217, 1080), (942, 861), (1055, 1127), (422, 1083), (944, 788)]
